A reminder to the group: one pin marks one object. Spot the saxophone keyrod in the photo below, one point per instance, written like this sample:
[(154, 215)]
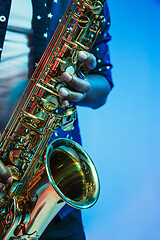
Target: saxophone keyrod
[(94, 30), (88, 40), (70, 32), (81, 45), (30, 126), (48, 70), (50, 85), (13, 141), (48, 90), (72, 43), (26, 114), (60, 60), (67, 46)]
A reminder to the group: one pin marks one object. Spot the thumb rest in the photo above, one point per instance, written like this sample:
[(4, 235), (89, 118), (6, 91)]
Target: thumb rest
[(43, 183)]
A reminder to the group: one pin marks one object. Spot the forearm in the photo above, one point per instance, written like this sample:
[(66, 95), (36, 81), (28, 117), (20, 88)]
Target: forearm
[(98, 92)]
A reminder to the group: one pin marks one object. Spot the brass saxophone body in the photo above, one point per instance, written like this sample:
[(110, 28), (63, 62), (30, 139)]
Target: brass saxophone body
[(43, 183)]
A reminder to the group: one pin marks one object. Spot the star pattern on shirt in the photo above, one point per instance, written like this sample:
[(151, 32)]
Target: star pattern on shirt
[(45, 35), (50, 15), (108, 67), (39, 17)]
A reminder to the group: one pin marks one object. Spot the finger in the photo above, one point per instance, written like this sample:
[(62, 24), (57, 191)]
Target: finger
[(71, 95), (59, 85), (5, 175), (65, 103), (75, 83), (88, 59)]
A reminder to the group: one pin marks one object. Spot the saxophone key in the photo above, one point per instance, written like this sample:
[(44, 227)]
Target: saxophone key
[(68, 119), (31, 138), (50, 103), (38, 119), (15, 172), (15, 157), (70, 65)]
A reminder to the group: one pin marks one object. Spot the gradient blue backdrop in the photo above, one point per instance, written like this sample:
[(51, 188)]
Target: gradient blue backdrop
[(127, 131)]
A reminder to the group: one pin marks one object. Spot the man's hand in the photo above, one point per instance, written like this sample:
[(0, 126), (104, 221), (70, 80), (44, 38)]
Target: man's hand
[(5, 176), (76, 88)]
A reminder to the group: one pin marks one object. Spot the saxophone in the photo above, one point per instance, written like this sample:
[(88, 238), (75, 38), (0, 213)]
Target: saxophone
[(47, 178)]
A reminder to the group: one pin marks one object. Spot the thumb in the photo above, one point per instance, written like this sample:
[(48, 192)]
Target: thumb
[(5, 176)]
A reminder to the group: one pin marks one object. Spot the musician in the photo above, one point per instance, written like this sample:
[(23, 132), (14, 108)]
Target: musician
[(90, 93)]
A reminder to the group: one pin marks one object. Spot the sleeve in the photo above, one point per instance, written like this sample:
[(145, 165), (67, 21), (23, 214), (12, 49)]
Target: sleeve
[(101, 50)]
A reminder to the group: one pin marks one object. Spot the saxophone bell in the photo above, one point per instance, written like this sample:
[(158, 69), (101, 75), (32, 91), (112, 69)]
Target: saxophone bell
[(67, 176), (72, 173)]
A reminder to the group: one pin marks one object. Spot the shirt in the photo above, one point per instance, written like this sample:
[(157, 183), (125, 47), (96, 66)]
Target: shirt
[(46, 16)]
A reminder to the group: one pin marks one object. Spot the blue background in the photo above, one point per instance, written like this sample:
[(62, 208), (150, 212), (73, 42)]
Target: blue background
[(123, 136)]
